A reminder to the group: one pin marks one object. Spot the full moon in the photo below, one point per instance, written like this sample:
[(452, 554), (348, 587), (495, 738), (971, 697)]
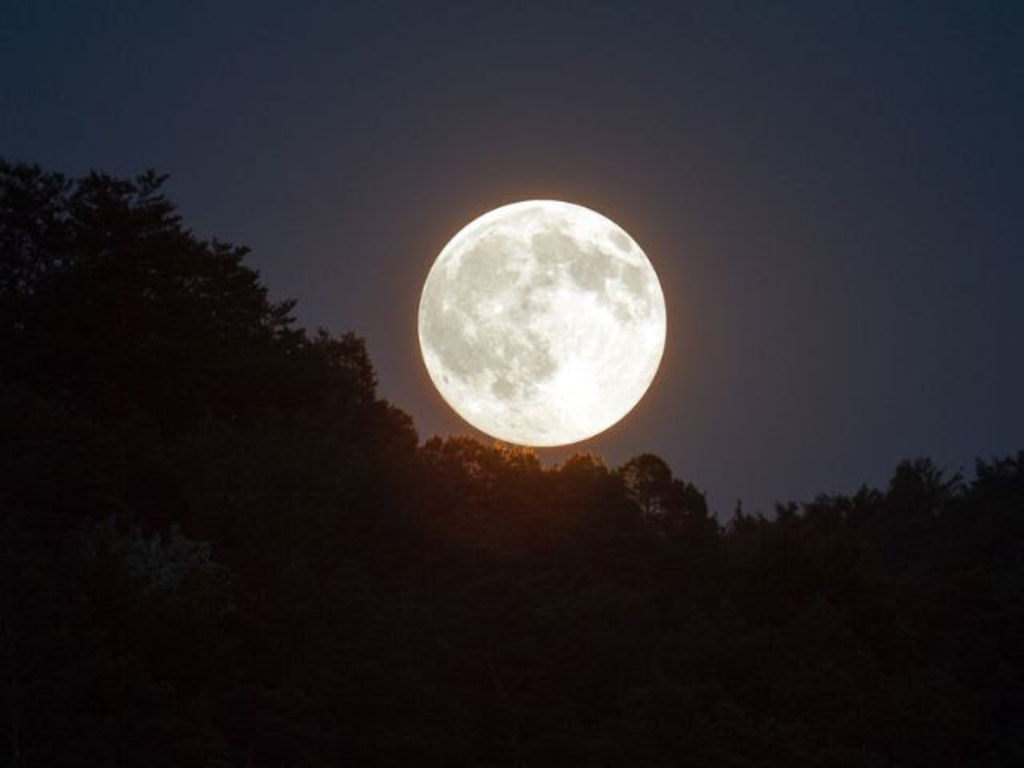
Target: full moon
[(542, 323)]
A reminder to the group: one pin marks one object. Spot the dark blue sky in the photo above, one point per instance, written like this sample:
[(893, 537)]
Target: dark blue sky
[(831, 192)]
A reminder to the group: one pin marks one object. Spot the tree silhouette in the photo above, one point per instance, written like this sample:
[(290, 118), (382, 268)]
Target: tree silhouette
[(219, 546), (673, 504)]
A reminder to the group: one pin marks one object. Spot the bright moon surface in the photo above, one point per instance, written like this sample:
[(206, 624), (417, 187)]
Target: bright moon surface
[(542, 323)]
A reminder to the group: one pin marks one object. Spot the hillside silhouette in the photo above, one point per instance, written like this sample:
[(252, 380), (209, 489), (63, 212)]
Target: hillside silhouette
[(220, 547)]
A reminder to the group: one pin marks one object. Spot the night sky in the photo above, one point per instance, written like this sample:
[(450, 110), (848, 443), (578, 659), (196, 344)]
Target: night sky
[(830, 192)]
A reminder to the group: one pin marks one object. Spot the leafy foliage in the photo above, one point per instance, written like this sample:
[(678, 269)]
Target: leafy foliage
[(219, 546)]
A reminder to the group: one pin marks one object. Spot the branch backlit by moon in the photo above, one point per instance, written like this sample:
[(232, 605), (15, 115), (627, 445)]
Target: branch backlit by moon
[(542, 323)]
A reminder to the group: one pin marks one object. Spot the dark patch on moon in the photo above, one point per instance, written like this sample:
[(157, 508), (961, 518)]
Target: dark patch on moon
[(619, 240), (589, 266), (623, 313), (552, 247), (504, 389), (636, 281), (486, 267), (467, 354), (591, 270)]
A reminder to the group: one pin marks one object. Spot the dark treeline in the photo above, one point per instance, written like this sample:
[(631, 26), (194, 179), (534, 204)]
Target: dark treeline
[(220, 547)]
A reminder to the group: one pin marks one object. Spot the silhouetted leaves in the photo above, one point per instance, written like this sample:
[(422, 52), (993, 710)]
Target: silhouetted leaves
[(219, 546)]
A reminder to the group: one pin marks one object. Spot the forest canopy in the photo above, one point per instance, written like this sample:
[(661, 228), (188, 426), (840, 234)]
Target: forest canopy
[(219, 546)]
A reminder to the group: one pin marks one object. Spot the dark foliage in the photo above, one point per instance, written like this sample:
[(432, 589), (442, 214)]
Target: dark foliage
[(219, 547)]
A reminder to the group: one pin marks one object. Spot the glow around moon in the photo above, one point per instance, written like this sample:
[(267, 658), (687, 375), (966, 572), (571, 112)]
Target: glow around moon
[(542, 323)]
